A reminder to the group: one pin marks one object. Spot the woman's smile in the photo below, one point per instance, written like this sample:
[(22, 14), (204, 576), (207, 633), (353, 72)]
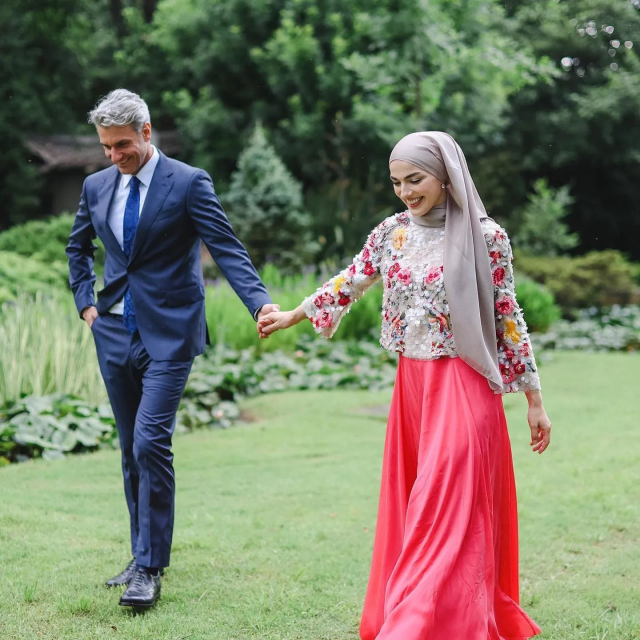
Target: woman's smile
[(414, 202)]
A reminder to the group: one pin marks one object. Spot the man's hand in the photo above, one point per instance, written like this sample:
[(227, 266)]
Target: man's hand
[(89, 314), (276, 320), (268, 308)]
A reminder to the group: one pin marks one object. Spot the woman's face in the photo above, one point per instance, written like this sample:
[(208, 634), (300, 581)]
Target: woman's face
[(419, 190)]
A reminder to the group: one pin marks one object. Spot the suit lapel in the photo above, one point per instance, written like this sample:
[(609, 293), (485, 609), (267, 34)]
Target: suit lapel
[(106, 190), (159, 189)]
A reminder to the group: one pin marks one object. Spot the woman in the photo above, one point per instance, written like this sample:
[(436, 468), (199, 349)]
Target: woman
[(445, 558)]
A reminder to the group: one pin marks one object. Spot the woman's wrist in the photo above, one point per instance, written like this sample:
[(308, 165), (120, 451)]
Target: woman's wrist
[(534, 398), (298, 315)]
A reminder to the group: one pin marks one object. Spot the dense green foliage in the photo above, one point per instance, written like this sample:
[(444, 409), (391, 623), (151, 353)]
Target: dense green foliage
[(45, 240), (47, 349), (582, 128), (19, 274), (52, 426), (231, 324), (531, 90)]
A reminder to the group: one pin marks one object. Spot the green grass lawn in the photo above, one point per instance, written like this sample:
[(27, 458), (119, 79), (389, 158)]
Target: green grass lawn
[(275, 521)]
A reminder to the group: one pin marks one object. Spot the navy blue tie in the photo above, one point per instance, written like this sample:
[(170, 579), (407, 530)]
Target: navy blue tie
[(129, 225)]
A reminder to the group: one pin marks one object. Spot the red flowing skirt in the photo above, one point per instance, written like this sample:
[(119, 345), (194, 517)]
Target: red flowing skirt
[(445, 557)]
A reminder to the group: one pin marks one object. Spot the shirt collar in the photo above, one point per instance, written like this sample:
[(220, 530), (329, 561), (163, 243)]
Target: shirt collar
[(146, 173)]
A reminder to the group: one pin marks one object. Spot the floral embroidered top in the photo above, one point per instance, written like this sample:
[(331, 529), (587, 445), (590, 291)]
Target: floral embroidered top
[(415, 315)]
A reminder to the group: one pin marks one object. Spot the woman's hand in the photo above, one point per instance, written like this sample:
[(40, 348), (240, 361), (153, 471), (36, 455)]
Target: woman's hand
[(276, 320), (540, 427)]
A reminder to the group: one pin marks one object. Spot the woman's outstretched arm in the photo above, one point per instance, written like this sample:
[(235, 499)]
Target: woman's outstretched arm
[(333, 300)]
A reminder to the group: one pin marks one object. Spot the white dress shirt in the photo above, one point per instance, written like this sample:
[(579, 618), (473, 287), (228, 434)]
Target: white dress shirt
[(116, 212)]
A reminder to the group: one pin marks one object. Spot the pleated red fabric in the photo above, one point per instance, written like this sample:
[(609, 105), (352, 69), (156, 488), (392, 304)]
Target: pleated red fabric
[(445, 557)]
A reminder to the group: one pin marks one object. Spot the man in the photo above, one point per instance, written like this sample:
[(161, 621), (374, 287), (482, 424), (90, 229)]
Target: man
[(151, 213)]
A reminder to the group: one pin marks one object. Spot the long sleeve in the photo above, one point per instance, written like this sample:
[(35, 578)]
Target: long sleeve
[(515, 354), (80, 252), (329, 304), (214, 228)]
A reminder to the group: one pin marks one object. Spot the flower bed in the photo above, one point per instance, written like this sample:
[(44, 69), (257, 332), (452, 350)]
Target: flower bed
[(51, 426), (613, 329)]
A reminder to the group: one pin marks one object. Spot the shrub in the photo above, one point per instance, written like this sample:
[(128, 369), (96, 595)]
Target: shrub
[(230, 324), (597, 279), (19, 274), (45, 240), (540, 309)]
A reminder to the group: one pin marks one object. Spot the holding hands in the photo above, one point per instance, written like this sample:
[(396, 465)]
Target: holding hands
[(273, 321)]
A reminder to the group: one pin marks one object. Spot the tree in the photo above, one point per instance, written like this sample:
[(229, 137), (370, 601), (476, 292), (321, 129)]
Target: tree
[(265, 207), (36, 70), (542, 230), (56, 60), (337, 83), (582, 126)]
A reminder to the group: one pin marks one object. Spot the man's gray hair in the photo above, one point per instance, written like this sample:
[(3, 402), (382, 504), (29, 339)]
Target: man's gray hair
[(120, 108)]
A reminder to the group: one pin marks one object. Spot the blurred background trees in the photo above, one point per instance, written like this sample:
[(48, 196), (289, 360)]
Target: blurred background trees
[(548, 90)]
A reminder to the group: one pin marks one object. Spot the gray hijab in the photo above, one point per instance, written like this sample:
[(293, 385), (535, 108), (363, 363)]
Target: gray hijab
[(467, 272)]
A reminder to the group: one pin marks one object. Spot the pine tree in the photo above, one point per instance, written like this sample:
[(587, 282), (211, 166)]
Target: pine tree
[(542, 230), (265, 206)]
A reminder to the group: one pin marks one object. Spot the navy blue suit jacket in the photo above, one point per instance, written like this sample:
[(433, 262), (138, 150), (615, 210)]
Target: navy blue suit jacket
[(164, 271)]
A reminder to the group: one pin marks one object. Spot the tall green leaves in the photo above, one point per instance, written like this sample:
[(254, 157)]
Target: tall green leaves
[(46, 348)]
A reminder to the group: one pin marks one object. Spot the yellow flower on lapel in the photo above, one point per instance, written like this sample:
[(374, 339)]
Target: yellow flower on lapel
[(512, 333), (399, 238)]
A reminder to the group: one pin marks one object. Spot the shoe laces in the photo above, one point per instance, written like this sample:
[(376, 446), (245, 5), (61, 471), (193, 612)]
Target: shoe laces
[(138, 578)]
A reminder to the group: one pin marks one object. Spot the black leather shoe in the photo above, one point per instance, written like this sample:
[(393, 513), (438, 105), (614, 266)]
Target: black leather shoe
[(123, 578), (143, 590)]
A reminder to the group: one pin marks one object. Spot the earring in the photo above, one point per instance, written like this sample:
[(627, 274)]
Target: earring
[(443, 186)]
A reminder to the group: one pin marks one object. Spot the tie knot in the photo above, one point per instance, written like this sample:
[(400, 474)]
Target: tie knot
[(134, 184)]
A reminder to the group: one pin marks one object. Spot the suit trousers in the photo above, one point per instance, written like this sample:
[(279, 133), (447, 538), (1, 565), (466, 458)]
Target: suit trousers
[(144, 395)]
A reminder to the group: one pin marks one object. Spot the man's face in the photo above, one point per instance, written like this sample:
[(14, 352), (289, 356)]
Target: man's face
[(125, 147)]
